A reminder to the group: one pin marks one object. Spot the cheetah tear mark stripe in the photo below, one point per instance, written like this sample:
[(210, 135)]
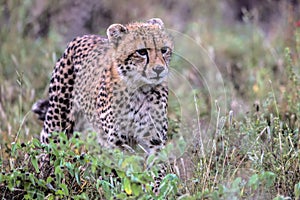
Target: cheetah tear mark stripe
[(145, 67), (147, 62)]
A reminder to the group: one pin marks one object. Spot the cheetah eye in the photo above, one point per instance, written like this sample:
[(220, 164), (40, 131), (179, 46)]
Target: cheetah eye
[(142, 52), (164, 50)]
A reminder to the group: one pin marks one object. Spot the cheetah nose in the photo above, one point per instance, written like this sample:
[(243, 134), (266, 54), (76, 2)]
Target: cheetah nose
[(158, 69)]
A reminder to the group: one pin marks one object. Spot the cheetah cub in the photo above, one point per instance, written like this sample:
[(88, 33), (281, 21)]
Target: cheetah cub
[(117, 82)]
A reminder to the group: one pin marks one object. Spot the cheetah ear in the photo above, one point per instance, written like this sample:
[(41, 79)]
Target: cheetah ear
[(156, 21), (115, 31)]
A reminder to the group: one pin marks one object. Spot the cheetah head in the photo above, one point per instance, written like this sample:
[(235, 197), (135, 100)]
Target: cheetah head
[(142, 51)]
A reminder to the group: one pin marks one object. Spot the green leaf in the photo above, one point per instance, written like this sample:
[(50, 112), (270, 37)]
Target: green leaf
[(58, 173), (106, 186), (279, 198), (253, 182), (36, 142), (32, 178), (127, 186), (81, 196), (236, 184), (59, 192), (64, 189), (136, 189), (121, 196), (27, 196), (168, 185), (49, 179), (297, 191), (71, 168), (14, 147), (150, 159), (269, 178), (142, 178), (77, 176), (57, 170), (50, 197), (41, 182), (35, 163), (121, 174)]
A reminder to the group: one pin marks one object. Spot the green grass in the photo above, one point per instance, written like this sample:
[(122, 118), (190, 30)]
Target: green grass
[(83, 171), (234, 113)]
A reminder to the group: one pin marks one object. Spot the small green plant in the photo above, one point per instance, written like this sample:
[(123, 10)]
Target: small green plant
[(72, 173)]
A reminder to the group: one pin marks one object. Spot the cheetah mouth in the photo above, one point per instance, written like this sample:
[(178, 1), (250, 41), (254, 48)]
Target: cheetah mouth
[(157, 77)]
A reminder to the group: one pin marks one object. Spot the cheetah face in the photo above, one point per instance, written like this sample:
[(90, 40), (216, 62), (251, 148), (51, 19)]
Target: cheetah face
[(148, 65), (142, 50)]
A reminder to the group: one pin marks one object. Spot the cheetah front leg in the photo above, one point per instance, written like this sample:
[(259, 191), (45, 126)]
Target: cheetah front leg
[(155, 145), (59, 116), (157, 127), (58, 107)]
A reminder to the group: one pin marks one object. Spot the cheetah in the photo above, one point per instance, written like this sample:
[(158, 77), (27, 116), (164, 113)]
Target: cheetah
[(118, 82)]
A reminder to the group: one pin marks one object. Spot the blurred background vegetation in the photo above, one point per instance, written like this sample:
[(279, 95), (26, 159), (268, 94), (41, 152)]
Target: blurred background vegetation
[(239, 60)]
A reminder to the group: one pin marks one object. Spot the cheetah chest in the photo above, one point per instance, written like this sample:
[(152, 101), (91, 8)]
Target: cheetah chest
[(137, 118)]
